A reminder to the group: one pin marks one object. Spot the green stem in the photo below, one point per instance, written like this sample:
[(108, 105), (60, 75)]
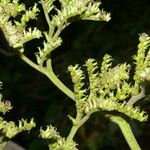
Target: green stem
[(31, 63), (51, 27), (74, 128), (136, 98), (59, 30), (46, 14), (80, 122), (50, 74), (126, 131), (51, 32)]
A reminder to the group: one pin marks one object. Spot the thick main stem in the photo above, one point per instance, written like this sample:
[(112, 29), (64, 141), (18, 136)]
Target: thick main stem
[(126, 131)]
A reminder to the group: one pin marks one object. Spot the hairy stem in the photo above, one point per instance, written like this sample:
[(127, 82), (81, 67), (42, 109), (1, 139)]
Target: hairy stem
[(51, 31), (126, 131)]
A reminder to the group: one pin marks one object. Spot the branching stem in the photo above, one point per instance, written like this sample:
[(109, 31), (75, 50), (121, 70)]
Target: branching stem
[(48, 71), (59, 30), (50, 74), (136, 98), (122, 123), (31, 63), (80, 122)]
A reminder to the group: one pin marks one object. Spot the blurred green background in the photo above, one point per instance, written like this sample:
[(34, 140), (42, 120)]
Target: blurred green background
[(33, 95)]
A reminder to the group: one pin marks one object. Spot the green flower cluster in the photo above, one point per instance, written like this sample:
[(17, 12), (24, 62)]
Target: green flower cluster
[(109, 87), (142, 60), (58, 142), (82, 9), (79, 92), (71, 10), (10, 129), (15, 31)]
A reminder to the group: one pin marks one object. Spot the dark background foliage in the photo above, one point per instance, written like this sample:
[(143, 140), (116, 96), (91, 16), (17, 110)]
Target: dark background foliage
[(33, 95)]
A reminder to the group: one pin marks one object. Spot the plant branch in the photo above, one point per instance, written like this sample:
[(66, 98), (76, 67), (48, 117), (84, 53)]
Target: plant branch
[(59, 30), (126, 131), (31, 63), (74, 128), (80, 122), (84, 119), (136, 98), (50, 74), (46, 14)]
